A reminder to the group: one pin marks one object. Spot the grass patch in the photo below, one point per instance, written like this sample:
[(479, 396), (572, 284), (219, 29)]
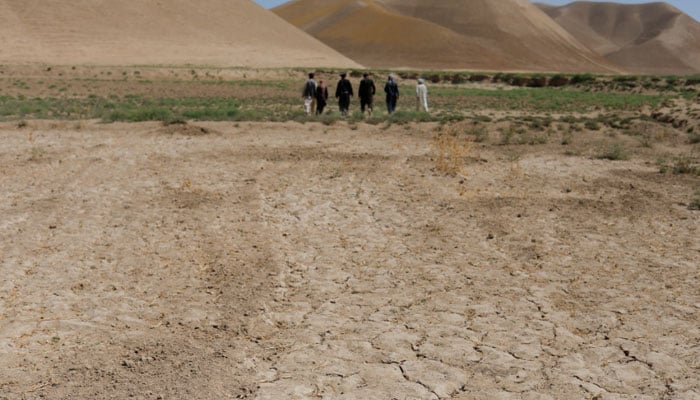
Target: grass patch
[(140, 115), (453, 98), (403, 117), (127, 108), (544, 99)]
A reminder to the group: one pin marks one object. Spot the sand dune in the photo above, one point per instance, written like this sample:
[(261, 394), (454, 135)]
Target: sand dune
[(464, 34), (654, 38), (132, 32)]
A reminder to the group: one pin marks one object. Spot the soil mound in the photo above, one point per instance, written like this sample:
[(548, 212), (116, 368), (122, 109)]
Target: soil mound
[(651, 38), (455, 34), (167, 32)]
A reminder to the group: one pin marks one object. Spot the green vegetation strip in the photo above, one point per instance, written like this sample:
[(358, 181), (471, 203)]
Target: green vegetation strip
[(129, 108), (546, 99), (448, 102)]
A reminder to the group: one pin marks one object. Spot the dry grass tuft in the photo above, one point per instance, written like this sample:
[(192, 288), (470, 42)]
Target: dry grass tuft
[(450, 152)]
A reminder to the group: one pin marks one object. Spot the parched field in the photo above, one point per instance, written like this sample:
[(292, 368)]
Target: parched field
[(512, 254)]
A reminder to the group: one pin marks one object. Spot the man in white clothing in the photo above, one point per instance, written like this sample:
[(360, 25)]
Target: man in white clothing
[(422, 96)]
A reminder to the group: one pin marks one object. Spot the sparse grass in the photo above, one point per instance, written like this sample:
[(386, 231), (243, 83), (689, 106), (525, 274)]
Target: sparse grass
[(592, 125), (694, 137), (613, 152), (506, 135), (403, 117), (685, 165), (36, 153), (453, 98), (139, 115), (567, 138), (695, 201), (518, 134), (480, 133)]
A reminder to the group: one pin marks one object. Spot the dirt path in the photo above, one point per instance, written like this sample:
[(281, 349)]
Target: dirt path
[(288, 261)]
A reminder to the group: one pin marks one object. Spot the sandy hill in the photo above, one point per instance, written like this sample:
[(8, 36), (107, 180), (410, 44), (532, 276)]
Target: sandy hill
[(171, 32), (653, 38), (460, 34)]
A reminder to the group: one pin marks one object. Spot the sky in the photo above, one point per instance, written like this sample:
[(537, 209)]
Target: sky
[(691, 7)]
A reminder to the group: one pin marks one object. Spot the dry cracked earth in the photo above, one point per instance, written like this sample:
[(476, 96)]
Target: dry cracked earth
[(289, 261)]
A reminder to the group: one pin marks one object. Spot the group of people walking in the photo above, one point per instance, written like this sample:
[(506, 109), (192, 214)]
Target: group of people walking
[(316, 94)]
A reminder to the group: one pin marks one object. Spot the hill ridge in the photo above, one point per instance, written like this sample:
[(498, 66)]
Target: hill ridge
[(165, 32), (652, 38), (453, 34)]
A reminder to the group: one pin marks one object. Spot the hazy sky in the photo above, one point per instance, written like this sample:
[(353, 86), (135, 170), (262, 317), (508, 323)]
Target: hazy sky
[(691, 7)]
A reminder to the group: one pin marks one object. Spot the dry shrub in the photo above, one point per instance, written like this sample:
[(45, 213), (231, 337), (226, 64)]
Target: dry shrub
[(450, 152), (695, 202)]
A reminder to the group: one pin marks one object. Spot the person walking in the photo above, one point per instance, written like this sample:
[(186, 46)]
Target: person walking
[(422, 96), (321, 97), (392, 94), (343, 93), (309, 94), (366, 93)]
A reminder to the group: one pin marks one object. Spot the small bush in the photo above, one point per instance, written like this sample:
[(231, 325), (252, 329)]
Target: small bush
[(695, 202), (626, 78), (582, 78), (480, 133), (614, 152), (685, 165), (694, 138), (567, 138), (506, 135), (538, 82), (478, 78), (327, 119), (592, 125), (457, 79), (521, 81), (410, 76), (558, 81)]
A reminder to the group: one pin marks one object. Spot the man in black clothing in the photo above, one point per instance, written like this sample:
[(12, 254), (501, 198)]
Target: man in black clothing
[(343, 93), (366, 93), (392, 94)]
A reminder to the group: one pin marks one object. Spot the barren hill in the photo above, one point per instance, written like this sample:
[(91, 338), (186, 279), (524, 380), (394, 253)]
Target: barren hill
[(460, 34), (171, 32), (653, 38)]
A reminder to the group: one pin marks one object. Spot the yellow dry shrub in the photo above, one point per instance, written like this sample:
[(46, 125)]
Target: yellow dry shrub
[(450, 152)]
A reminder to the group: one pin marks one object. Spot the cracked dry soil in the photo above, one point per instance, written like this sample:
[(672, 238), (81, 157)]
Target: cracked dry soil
[(288, 261)]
